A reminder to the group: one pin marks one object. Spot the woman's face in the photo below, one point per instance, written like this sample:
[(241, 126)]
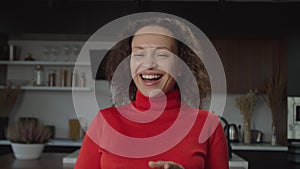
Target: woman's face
[(153, 59)]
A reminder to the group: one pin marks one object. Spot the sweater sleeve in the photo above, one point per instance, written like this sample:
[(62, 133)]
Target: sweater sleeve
[(89, 155), (217, 157)]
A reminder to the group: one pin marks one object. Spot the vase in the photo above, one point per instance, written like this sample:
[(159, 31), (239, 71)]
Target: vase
[(27, 151), (247, 132), (273, 136)]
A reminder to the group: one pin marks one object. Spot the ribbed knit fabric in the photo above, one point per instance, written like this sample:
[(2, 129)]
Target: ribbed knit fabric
[(99, 150)]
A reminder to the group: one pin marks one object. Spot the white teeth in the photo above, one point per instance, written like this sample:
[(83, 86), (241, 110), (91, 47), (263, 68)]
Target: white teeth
[(149, 77)]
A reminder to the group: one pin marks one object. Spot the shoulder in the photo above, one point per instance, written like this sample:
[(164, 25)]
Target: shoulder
[(208, 125), (203, 116), (112, 111), (209, 117), (107, 111), (113, 115)]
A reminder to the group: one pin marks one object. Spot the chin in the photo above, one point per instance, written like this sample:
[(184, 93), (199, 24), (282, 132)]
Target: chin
[(152, 92)]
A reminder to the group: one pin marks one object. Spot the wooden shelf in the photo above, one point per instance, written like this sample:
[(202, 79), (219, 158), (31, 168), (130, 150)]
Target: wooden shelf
[(54, 63)]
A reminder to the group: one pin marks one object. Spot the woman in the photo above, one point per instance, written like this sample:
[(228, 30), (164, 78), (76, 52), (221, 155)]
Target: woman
[(160, 87)]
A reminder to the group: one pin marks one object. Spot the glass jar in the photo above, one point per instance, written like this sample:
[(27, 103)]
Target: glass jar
[(38, 76)]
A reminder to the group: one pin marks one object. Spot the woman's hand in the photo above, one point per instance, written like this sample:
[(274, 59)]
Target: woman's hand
[(164, 165)]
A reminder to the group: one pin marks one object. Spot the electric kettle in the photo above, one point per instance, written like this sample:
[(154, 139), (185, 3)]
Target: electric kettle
[(234, 133)]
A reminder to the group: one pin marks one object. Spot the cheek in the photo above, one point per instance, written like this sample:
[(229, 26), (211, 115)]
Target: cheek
[(171, 68), (134, 67)]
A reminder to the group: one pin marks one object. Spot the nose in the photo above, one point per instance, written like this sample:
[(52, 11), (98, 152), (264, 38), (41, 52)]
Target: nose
[(149, 61)]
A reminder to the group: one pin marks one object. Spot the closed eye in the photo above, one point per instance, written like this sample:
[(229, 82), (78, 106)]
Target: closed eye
[(138, 54), (163, 53)]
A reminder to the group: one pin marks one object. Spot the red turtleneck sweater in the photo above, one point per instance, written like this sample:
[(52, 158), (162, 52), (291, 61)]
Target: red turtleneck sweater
[(190, 137)]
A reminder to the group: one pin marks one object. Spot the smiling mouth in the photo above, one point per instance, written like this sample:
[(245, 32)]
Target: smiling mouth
[(153, 77)]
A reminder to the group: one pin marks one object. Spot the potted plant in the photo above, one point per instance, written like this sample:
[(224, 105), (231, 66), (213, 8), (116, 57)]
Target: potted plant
[(28, 137)]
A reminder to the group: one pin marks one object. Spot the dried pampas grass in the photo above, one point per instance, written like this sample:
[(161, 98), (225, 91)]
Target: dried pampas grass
[(8, 99), (246, 104), (276, 92)]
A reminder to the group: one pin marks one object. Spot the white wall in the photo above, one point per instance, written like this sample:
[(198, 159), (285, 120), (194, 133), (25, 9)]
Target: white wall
[(56, 107), (261, 119)]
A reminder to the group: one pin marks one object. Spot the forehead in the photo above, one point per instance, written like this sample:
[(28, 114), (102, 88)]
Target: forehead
[(153, 36), (154, 29)]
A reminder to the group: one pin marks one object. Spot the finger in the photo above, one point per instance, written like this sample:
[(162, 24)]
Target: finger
[(172, 165), (158, 164), (166, 166)]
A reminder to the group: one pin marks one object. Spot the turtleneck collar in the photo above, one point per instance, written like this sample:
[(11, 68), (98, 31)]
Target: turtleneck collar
[(143, 102)]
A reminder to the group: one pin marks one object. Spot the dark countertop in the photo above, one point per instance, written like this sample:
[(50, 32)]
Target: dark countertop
[(235, 163), (258, 147), (46, 161), (235, 146)]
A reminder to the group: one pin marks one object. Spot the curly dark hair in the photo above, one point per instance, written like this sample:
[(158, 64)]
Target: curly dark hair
[(122, 50)]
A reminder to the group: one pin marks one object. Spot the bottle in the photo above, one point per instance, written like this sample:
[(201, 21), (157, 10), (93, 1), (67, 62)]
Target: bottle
[(74, 79), (11, 52), (52, 78), (63, 78), (82, 79), (39, 76), (273, 136)]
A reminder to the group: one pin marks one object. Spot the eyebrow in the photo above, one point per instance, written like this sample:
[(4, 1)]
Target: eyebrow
[(159, 47)]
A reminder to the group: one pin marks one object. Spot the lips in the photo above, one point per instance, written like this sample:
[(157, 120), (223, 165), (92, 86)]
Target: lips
[(150, 79)]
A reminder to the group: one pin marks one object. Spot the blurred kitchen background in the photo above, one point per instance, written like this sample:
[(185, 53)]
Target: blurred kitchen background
[(256, 41)]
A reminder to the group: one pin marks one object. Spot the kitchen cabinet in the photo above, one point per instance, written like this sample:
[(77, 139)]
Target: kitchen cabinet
[(293, 84), (263, 155), (47, 161), (5, 149), (265, 159), (77, 16), (250, 63)]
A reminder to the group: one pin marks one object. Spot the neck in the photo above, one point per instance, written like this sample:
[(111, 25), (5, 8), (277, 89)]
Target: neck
[(169, 100)]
